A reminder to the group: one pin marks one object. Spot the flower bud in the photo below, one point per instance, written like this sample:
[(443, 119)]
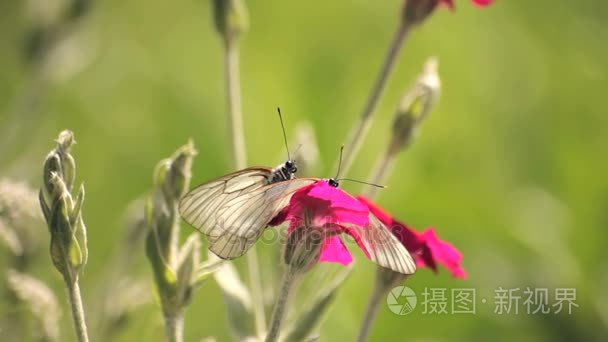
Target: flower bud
[(63, 213), (68, 166), (303, 247), (415, 106), (231, 18), (416, 11), (173, 174)]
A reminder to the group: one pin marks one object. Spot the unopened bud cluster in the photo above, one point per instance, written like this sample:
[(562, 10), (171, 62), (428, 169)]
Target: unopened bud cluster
[(175, 268), (62, 212), (415, 106)]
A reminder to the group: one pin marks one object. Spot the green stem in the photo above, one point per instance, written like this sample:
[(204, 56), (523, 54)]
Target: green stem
[(360, 130), (235, 112), (77, 310), (280, 308), (235, 121), (174, 326), (371, 311)]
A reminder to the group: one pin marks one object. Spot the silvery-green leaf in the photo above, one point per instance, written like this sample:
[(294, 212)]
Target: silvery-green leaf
[(206, 269), (307, 321), (187, 263)]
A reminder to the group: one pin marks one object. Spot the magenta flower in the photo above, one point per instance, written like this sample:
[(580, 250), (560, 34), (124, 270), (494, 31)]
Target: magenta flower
[(426, 248), (479, 3), (330, 212)]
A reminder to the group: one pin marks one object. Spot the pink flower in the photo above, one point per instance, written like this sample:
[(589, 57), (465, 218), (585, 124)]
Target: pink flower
[(479, 3), (426, 248), (330, 206), (330, 212)]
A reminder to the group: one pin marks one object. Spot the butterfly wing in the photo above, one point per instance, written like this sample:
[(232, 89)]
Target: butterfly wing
[(382, 247), (234, 210)]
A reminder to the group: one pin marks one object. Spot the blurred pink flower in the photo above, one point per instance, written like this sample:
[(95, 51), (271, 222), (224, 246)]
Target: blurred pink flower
[(479, 3), (425, 247)]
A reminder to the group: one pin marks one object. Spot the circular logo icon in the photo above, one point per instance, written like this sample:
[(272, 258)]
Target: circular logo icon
[(401, 300)]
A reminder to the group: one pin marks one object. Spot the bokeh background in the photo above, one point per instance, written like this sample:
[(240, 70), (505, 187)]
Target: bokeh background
[(510, 167)]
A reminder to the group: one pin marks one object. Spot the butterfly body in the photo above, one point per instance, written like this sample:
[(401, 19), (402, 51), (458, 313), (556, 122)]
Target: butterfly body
[(283, 172)]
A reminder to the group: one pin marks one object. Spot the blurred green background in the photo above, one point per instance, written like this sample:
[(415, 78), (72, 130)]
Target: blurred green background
[(510, 167)]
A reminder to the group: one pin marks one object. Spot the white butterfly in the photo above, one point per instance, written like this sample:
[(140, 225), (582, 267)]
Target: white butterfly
[(233, 210)]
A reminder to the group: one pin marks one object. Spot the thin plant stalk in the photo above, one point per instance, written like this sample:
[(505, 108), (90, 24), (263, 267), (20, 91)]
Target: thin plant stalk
[(371, 311), (235, 111), (63, 214), (415, 106), (359, 131), (77, 310), (235, 119), (255, 282), (280, 308), (174, 327)]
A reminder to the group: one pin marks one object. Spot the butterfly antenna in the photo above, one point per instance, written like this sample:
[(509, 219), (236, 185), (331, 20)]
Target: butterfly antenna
[(284, 135), (340, 161), (362, 182)]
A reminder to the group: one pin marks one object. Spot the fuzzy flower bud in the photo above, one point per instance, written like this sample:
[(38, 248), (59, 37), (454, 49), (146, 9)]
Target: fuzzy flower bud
[(63, 212), (177, 270), (173, 174), (415, 106), (231, 18), (303, 248), (416, 11)]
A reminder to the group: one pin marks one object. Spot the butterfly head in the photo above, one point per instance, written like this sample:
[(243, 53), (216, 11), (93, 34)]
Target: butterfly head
[(333, 182), (290, 166)]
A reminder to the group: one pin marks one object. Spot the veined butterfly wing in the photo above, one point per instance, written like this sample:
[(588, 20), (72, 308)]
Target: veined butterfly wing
[(382, 247), (233, 210)]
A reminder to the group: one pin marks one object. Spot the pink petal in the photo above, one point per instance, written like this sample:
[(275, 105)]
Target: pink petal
[(334, 250), (482, 3), (328, 205), (344, 207), (443, 253)]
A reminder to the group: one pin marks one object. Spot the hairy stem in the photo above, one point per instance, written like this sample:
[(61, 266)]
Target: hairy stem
[(280, 308), (80, 325), (235, 112), (174, 326), (371, 311), (255, 282), (235, 120), (360, 129)]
